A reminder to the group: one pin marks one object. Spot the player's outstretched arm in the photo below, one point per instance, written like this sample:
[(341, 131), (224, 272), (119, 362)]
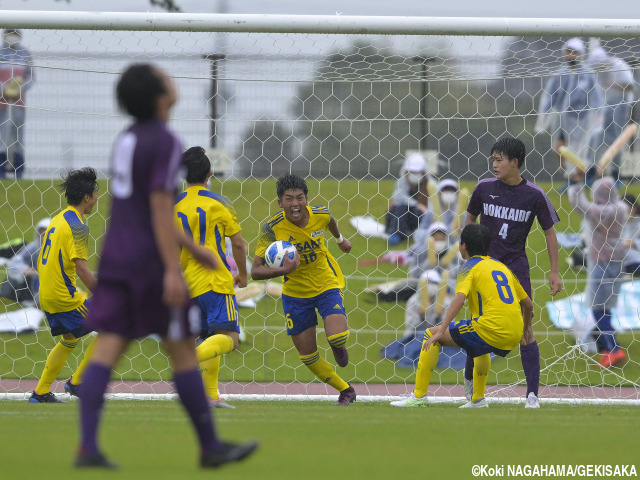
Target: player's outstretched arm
[(260, 271), (527, 315), (240, 257), (86, 275), (555, 283), (203, 256), (452, 312), (175, 292), (343, 243)]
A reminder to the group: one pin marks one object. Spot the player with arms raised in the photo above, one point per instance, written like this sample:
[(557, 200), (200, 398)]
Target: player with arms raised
[(312, 280), (209, 219), (507, 205), (140, 287)]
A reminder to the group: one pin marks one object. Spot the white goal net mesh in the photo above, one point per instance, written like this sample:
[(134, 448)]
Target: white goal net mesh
[(343, 111)]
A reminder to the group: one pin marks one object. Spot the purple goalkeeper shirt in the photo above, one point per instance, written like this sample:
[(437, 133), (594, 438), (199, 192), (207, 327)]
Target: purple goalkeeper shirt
[(146, 158), (508, 211)]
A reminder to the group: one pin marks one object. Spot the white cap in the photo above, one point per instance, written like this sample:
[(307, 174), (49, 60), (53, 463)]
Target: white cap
[(437, 227), (575, 44), (432, 276), (43, 224), (415, 163), (448, 183)]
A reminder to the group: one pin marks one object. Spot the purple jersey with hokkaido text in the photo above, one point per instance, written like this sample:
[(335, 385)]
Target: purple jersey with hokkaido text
[(508, 211), (128, 298)]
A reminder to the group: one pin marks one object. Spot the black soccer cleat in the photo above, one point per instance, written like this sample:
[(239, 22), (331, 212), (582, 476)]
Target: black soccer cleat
[(341, 355), (94, 460), (71, 389), (45, 398), (347, 397), (230, 452)]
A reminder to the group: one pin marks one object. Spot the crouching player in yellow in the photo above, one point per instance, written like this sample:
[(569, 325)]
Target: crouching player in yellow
[(312, 280), (209, 218), (497, 303)]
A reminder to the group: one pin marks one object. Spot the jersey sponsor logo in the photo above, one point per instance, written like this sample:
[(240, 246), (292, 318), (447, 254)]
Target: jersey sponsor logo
[(302, 246), (317, 233), (505, 213)]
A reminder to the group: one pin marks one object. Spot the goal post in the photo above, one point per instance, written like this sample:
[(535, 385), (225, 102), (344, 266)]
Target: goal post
[(343, 101)]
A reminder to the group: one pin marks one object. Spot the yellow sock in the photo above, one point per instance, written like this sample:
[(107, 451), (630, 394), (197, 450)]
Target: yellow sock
[(324, 371), (426, 363), (56, 359), (481, 367), (339, 340), (76, 379), (214, 346), (210, 370)]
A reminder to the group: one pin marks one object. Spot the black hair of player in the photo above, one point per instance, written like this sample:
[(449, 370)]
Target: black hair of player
[(197, 164), (476, 238), (78, 183), (138, 90), (631, 200), (510, 148), (290, 182)]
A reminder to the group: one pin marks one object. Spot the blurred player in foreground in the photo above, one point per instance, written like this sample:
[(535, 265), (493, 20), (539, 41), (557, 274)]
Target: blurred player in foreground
[(497, 302), (508, 205), (312, 280), (210, 219), (140, 289), (64, 253)]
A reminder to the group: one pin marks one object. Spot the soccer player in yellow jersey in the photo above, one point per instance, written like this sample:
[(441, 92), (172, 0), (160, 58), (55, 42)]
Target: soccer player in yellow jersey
[(209, 218), (312, 280), (497, 302), (64, 253)]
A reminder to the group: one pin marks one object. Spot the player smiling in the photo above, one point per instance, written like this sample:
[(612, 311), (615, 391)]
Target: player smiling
[(312, 280)]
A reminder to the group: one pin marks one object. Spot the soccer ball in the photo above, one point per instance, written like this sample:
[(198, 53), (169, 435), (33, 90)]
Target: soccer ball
[(276, 253)]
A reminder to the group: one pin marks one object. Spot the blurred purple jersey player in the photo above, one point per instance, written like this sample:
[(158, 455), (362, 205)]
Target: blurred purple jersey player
[(508, 205), (140, 287)]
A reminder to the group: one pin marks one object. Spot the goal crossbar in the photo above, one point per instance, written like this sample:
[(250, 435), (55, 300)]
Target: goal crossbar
[(323, 24)]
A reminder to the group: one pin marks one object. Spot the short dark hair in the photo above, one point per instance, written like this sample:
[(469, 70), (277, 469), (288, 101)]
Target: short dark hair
[(476, 238), (138, 89), (510, 148), (290, 182), (78, 183), (197, 164)]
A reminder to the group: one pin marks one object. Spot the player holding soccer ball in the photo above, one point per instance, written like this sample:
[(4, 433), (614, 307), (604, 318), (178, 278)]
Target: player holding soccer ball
[(508, 205), (209, 218), (312, 280)]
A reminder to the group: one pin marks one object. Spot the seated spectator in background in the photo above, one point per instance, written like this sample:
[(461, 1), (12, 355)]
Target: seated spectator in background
[(605, 218), (410, 200), (615, 79), (21, 284), (631, 236), (437, 253)]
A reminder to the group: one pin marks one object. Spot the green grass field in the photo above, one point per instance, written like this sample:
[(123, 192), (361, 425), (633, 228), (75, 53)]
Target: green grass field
[(314, 440), (268, 355)]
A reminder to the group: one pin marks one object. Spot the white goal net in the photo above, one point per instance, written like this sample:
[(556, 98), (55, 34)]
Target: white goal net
[(345, 111)]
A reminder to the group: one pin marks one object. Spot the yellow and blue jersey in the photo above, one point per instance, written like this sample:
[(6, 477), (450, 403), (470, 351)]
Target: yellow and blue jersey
[(207, 218), (66, 240), (494, 294), (318, 270)]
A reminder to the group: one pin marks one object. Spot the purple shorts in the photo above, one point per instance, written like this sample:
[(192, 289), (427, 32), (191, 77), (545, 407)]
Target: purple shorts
[(135, 309)]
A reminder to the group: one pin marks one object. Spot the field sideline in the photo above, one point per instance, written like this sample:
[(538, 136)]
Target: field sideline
[(153, 440)]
